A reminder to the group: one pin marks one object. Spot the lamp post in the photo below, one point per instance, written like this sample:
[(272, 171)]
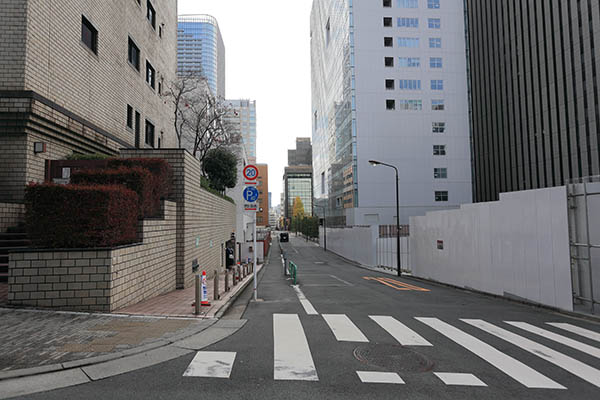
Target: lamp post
[(324, 227), (376, 163)]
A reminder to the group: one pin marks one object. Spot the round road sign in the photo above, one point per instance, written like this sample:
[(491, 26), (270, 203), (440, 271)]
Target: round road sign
[(250, 194), (250, 172)]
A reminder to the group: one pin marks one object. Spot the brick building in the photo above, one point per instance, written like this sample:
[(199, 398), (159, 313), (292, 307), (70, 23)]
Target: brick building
[(262, 217), (81, 76)]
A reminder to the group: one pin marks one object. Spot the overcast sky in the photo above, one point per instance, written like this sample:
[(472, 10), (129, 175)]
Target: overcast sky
[(267, 50)]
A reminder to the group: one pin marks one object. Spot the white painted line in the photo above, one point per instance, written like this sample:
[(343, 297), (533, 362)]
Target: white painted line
[(402, 333), (584, 371), (577, 330), (308, 307), (453, 379), (292, 358), (379, 377), (591, 350), (344, 329), (511, 367), (211, 364), (341, 280)]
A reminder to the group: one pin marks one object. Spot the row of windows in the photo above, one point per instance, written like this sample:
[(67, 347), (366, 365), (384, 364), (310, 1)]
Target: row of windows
[(134, 59), (433, 4), (415, 105), (406, 22), (434, 43), (133, 124)]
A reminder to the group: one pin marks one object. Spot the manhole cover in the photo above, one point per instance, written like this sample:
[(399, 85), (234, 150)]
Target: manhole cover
[(393, 358)]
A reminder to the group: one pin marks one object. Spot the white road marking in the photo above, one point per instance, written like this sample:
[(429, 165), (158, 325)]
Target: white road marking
[(454, 379), (211, 364), (402, 333), (593, 351), (341, 280), (379, 377), (308, 307), (511, 367), (584, 371), (577, 330), (344, 329), (292, 358)]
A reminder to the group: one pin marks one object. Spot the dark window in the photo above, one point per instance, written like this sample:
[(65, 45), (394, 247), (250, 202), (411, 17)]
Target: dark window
[(387, 21), (89, 34), (129, 116), (137, 129), (389, 84), (134, 54), (441, 196), (387, 3), (159, 87), (151, 14), (150, 74), (389, 61), (149, 133), (388, 42), (390, 104), (439, 149), (160, 31)]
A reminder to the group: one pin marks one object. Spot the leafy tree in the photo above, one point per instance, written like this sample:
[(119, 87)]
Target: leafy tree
[(220, 166), (298, 208)]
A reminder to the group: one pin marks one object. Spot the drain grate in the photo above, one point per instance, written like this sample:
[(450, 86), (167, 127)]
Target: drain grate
[(393, 358)]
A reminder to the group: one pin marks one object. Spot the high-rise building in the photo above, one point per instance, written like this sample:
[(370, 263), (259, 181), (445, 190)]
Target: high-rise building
[(389, 84), (262, 216), (302, 155), (298, 183), (242, 118), (81, 77), (200, 49), (534, 93)]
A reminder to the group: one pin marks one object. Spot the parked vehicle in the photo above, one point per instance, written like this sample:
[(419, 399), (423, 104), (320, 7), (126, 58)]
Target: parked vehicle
[(284, 237)]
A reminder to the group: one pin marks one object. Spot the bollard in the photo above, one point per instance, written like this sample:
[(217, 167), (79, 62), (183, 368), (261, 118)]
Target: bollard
[(216, 290), (197, 303), (227, 280)]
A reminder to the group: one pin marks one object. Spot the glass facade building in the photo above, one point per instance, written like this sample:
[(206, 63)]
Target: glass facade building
[(243, 117), (298, 182), (200, 49)]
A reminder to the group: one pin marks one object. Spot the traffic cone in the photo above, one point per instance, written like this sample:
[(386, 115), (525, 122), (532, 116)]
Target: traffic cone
[(204, 301)]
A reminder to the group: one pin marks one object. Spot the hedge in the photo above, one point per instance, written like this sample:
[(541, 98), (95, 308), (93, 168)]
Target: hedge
[(159, 168), (137, 179), (70, 216)]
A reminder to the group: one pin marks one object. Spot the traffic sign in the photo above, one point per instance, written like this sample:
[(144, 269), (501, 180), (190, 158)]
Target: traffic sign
[(250, 174), (250, 194)]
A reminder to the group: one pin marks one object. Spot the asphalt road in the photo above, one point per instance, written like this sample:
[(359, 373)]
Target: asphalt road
[(281, 340)]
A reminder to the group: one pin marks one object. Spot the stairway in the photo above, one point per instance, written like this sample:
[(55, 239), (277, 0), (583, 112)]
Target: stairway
[(15, 238)]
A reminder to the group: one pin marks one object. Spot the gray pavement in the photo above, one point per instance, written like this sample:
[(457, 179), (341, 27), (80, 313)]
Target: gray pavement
[(449, 321)]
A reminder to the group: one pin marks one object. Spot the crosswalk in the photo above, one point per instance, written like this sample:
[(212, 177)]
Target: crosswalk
[(293, 359)]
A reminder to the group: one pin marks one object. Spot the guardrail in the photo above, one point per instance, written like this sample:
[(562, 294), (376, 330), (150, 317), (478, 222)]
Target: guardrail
[(293, 270)]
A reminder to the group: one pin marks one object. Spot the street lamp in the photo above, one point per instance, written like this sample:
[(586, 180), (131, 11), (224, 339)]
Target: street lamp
[(376, 163), (324, 227)]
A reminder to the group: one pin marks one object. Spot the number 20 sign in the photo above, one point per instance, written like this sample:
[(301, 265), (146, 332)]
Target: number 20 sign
[(250, 174)]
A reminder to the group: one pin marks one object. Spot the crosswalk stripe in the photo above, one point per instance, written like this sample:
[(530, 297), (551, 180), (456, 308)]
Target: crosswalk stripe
[(211, 364), (593, 351), (577, 330), (584, 371), (379, 377), (511, 367), (308, 307), (455, 379), (292, 357), (344, 329), (402, 333)]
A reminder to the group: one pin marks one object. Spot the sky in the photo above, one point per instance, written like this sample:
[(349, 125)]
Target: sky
[(267, 52)]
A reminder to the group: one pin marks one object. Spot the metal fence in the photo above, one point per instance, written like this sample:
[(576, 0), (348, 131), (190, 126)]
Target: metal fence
[(387, 244)]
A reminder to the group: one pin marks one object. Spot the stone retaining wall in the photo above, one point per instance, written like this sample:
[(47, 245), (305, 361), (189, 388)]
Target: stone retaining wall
[(11, 214)]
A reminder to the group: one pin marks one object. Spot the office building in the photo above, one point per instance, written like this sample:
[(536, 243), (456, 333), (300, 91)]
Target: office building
[(81, 77), (534, 93), (242, 118), (297, 182), (389, 83), (200, 49), (262, 217), (302, 155)]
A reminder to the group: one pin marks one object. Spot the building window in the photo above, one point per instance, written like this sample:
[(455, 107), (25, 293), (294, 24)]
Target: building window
[(409, 62), (410, 84), (387, 3), (434, 23), (89, 35), (411, 105), (129, 117), (390, 104), (151, 14), (440, 173), (387, 22), (134, 54), (437, 105), (437, 84), (150, 74), (322, 182), (408, 3), (408, 42), (389, 84), (439, 149), (160, 29), (408, 22), (433, 4), (137, 129), (388, 42), (435, 43), (441, 195), (435, 62), (389, 61), (438, 127), (149, 134)]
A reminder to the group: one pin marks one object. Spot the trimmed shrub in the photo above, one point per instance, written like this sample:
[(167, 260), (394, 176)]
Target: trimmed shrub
[(159, 168), (137, 179), (69, 216), (87, 157)]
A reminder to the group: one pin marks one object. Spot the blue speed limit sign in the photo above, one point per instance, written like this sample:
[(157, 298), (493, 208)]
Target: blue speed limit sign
[(250, 194)]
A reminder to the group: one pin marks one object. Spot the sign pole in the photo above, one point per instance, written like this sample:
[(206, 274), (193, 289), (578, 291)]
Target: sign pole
[(255, 258)]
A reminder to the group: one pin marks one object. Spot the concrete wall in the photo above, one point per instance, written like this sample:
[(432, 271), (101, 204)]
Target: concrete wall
[(357, 244), (517, 247), (11, 214), (98, 279)]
